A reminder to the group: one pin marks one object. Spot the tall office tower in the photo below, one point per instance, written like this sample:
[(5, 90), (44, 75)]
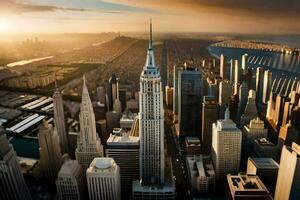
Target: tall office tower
[(236, 83), (250, 110), (263, 147), (288, 186), (254, 130), (175, 93), (103, 179), (209, 116), (270, 108), (190, 96), (151, 124), (12, 183), (113, 90), (266, 169), (50, 153), (225, 91), (226, 147), (279, 108), (222, 67), (244, 186), (70, 181), (267, 86), (101, 95), (59, 120), (287, 135), (231, 73), (233, 106), (88, 142), (259, 84), (154, 173), (124, 149), (243, 96), (244, 62)]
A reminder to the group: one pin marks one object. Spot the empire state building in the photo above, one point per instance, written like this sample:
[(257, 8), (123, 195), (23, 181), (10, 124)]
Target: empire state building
[(151, 120)]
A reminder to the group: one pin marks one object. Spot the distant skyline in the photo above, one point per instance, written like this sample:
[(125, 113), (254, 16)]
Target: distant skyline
[(91, 16)]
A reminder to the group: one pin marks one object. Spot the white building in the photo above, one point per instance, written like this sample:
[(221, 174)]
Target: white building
[(88, 142), (288, 186), (226, 147), (103, 179), (12, 183), (201, 173), (124, 149), (59, 120), (50, 153), (156, 174), (70, 181), (151, 122)]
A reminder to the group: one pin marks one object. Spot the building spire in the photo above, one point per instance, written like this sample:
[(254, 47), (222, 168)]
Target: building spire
[(150, 62), (150, 36)]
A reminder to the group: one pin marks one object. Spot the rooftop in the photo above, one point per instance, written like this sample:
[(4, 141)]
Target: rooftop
[(246, 185), (268, 163)]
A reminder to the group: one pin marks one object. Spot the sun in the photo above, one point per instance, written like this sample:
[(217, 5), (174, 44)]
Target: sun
[(5, 25)]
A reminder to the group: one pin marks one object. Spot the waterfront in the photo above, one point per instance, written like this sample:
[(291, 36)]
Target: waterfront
[(279, 63)]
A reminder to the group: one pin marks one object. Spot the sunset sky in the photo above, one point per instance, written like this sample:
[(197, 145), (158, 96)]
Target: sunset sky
[(221, 16)]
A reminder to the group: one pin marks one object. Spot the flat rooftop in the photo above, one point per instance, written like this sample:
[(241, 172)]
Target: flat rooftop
[(265, 163)]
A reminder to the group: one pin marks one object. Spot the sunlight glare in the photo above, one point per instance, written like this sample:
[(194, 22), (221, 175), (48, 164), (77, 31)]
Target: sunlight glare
[(5, 25)]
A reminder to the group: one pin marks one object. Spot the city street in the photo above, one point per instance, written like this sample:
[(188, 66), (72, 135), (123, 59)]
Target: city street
[(177, 163)]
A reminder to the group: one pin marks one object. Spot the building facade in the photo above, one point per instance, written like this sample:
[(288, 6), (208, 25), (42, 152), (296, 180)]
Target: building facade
[(288, 186), (226, 147), (103, 179), (50, 153), (151, 122), (60, 121), (190, 96), (12, 183), (124, 149), (70, 181), (88, 142)]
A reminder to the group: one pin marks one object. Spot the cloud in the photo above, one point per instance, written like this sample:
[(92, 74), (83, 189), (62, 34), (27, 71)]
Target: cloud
[(258, 8), (18, 7)]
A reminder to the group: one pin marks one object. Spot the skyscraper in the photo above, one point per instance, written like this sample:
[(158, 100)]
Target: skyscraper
[(267, 86), (151, 124), (225, 91), (288, 186), (88, 143), (124, 149), (50, 153), (243, 96), (155, 172), (59, 120), (209, 116), (190, 96), (226, 147), (12, 183), (70, 181), (175, 93), (250, 110), (236, 83), (259, 84), (113, 90), (103, 179), (254, 130), (222, 67)]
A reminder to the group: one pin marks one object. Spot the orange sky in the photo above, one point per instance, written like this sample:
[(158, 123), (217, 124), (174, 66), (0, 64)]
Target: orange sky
[(221, 16)]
